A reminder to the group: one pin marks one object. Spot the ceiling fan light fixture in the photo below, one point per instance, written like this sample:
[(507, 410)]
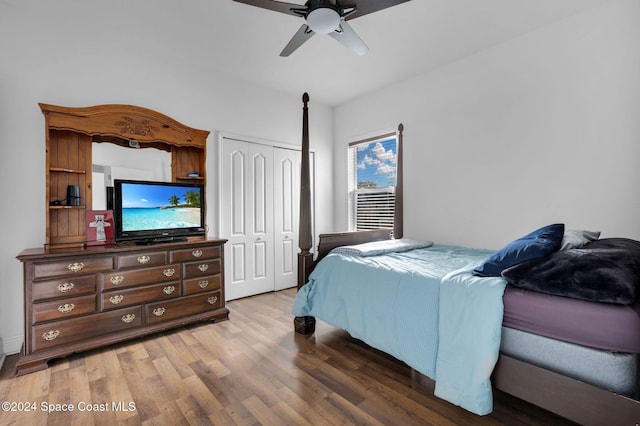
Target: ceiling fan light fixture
[(323, 20)]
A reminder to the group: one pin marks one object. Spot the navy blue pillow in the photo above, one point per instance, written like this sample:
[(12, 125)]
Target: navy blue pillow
[(535, 245)]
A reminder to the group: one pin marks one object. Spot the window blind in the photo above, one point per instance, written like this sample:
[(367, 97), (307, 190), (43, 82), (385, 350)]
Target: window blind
[(374, 209)]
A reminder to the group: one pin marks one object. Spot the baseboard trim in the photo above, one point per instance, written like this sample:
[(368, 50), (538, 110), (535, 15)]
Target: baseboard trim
[(2, 355)]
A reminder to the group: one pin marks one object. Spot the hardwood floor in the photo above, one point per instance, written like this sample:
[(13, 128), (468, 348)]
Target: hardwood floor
[(250, 370)]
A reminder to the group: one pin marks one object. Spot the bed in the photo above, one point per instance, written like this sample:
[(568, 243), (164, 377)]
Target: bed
[(555, 346)]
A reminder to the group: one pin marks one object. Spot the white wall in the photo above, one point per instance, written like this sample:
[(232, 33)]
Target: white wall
[(541, 129), (36, 67)]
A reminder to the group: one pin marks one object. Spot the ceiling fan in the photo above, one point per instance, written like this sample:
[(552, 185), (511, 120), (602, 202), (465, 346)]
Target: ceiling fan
[(326, 17)]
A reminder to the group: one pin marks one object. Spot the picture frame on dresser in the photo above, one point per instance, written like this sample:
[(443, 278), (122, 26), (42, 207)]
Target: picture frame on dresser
[(100, 228)]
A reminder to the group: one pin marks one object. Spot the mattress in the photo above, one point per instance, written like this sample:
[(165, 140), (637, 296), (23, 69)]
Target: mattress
[(603, 326), (615, 371)]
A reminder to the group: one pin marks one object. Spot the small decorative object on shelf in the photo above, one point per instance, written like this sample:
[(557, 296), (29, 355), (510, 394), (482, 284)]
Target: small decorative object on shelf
[(73, 195), (100, 227)]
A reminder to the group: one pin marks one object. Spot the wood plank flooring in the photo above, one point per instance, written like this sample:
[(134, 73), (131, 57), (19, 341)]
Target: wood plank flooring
[(250, 370)]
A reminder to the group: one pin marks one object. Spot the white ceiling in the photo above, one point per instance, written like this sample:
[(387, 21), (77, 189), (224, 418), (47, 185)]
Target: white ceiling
[(244, 41)]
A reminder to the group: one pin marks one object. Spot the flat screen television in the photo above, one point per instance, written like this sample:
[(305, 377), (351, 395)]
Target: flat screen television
[(153, 212)]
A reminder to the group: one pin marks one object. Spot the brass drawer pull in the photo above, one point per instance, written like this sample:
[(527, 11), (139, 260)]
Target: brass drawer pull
[(128, 318), (65, 287), (51, 335), (203, 283), (66, 308), (169, 272), (116, 299), (203, 267), (116, 280), (169, 289), (158, 312), (143, 259), (212, 300), (75, 267), (196, 253)]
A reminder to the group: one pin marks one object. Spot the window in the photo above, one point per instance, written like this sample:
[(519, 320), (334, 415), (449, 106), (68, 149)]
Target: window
[(372, 180)]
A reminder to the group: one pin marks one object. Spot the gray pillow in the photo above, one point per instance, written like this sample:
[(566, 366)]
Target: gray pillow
[(577, 238)]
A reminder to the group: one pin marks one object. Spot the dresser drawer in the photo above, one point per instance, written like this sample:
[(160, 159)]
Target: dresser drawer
[(202, 268), (64, 287), (195, 254), (58, 333), (199, 285), (64, 308), (120, 298), (185, 306), (122, 279), (141, 259), (72, 267)]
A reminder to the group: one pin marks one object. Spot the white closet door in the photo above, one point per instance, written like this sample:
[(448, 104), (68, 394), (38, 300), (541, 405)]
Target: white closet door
[(286, 202), (247, 218)]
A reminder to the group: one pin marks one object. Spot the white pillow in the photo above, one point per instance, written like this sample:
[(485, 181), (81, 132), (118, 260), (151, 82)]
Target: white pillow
[(576, 238)]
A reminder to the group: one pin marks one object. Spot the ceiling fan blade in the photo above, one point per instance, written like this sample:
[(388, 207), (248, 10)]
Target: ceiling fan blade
[(345, 35), (303, 34), (370, 6), (278, 6)]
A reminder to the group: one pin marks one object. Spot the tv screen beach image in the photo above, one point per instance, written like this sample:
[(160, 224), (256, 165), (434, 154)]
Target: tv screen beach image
[(148, 207)]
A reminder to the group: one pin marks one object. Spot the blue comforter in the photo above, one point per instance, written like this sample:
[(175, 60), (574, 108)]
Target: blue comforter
[(422, 306)]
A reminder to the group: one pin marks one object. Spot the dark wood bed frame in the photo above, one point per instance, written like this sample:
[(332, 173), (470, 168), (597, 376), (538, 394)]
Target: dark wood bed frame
[(565, 396)]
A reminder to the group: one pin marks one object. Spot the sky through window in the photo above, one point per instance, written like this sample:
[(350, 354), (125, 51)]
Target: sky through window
[(376, 164)]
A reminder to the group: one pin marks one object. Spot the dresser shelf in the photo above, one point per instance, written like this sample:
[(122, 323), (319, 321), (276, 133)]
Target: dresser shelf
[(63, 170)]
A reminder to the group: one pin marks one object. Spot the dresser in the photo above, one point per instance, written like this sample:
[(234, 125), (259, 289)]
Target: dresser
[(80, 299)]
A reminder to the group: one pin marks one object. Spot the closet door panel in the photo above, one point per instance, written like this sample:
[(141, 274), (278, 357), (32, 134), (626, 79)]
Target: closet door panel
[(261, 193), (239, 270), (238, 189), (286, 205), (247, 217)]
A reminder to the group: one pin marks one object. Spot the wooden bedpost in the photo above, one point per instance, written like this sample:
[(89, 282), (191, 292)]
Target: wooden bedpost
[(305, 239), (305, 325), (398, 225)]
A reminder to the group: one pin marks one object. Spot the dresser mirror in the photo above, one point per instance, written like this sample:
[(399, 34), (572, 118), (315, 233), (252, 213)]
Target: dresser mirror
[(111, 161)]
